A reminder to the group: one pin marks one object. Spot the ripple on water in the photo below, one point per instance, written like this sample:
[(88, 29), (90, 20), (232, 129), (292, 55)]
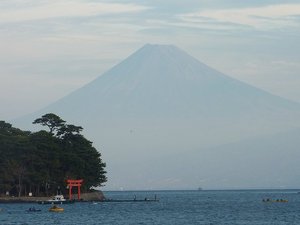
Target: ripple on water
[(174, 207)]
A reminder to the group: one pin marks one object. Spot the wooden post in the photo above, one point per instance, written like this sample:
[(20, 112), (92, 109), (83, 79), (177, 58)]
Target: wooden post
[(79, 192), (70, 192)]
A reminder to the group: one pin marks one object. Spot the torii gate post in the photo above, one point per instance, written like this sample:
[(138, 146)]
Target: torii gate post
[(74, 183)]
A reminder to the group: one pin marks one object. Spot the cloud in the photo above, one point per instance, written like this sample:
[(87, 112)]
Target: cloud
[(68, 8), (283, 63), (204, 24), (264, 17)]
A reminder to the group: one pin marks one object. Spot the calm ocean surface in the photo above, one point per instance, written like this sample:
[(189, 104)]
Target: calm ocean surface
[(174, 207)]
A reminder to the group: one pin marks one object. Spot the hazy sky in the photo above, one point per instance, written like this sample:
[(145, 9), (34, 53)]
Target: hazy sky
[(49, 48)]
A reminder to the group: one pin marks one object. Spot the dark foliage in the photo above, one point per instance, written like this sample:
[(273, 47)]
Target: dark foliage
[(42, 161)]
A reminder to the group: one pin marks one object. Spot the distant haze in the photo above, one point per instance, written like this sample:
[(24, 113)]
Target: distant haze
[(164, 120)]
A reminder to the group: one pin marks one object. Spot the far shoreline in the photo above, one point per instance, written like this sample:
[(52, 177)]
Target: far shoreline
[(196, 190)]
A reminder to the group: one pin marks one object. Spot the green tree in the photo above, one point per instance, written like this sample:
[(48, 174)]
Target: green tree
[(39, 162), (78, 158), (52, 121), (14, 148)]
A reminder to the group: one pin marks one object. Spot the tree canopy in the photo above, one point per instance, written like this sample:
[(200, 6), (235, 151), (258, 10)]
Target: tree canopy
[(40, 162)]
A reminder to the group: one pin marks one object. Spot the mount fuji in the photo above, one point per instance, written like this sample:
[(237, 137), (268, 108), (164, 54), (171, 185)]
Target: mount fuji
[(160, 103)]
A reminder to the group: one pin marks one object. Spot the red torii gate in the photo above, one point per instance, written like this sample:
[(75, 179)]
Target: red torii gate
[(74, 183)]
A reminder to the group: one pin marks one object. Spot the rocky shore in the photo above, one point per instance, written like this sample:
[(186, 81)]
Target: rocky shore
[(93, 196)]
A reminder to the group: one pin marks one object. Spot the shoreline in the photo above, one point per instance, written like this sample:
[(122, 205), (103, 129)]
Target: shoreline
[(22, 199), (96, 196)]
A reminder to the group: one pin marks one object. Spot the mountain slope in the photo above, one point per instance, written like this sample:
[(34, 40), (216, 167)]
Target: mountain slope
[(267, 162), (159, 80), (161, 101)]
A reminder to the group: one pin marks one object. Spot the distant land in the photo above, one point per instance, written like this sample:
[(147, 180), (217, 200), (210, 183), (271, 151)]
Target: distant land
[(164, 120)]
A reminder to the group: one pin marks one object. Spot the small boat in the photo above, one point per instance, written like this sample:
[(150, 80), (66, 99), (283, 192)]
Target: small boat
[(33, 209), (57, 199), (56, 209), (277, 200)]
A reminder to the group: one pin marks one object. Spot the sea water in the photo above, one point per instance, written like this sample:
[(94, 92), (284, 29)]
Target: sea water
[(173, 207)]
